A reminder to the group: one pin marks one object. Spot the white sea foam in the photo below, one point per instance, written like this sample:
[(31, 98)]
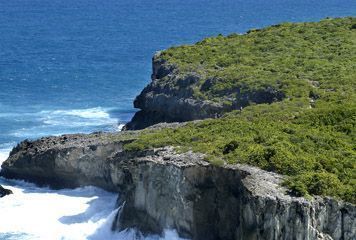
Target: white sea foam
[(82, 213), (57, 122), (119, 127), (40, 213), (78, 117), (97, 112), (4, 154)]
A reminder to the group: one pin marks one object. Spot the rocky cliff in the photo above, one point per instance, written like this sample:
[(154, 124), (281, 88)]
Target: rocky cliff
[(4, 192), (169, 98), (161, 188)]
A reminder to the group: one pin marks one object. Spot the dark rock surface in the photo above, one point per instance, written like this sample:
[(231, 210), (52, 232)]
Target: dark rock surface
[(4, 192), (161, 188), (170, 98), (61, 162)]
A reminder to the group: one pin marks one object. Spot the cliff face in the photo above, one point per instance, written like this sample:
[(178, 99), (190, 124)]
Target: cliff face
[(169, 98), (68, 161), (164, 189)]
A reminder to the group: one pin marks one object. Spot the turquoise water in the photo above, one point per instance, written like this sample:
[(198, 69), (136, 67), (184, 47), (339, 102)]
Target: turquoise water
[(76, 66)]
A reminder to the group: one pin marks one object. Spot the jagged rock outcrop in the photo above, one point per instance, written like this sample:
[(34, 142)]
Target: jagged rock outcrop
[(164, 189), (4, 191), (170, 97), (67, 161)]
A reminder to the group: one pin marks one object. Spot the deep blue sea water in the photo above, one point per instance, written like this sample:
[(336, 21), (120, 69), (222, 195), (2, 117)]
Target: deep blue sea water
[(75, 66)]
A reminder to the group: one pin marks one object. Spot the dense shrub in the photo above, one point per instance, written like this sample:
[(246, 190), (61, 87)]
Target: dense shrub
[(309, 135), (299, 60)]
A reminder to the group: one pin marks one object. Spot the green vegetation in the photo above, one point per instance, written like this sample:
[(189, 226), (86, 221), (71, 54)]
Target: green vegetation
[(309, 135), (298, 60)]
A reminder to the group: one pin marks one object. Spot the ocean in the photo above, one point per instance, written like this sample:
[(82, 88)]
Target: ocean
[(76, 66)]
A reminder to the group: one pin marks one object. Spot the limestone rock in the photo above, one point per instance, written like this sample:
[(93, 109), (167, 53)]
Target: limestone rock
[(161, 188), (170, 97)]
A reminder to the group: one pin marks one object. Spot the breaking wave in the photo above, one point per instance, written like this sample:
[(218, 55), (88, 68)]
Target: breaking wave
[(70, 214), (57, 122)]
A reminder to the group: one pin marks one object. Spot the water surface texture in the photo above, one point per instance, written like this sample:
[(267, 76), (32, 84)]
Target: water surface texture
[(75, 66), (82, 213)]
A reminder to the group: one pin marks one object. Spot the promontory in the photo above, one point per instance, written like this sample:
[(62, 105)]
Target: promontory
[(246, 136)]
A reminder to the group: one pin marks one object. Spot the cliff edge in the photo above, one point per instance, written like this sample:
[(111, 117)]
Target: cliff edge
[(161, 188), (224, 178), (171, 97)]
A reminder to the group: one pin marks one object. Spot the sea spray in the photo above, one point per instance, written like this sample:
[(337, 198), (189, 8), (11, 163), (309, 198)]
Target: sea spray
[(68, 214)]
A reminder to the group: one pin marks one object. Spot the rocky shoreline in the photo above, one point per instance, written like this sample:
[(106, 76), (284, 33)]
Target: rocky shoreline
[(164, 187), (161, 188)]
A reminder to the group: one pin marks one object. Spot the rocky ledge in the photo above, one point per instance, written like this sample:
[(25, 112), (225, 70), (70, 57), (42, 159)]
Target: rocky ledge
[(170, 97), (4, 192), (162, 188)]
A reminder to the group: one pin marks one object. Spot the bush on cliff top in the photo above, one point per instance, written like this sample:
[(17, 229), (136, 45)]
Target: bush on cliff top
[(296, 60), (310, 135)]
